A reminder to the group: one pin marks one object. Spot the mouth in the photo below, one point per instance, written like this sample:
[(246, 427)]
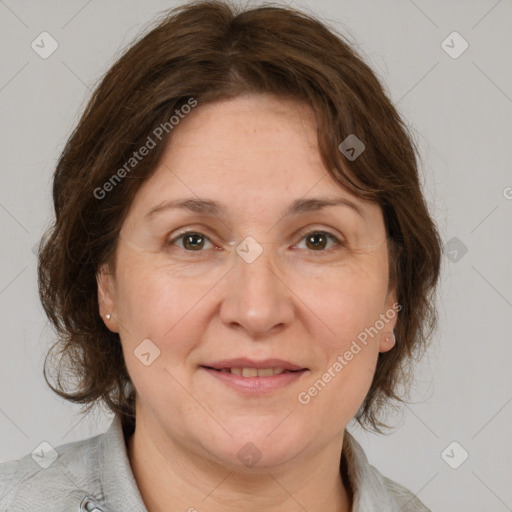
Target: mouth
[(252, 372), (255, 377)]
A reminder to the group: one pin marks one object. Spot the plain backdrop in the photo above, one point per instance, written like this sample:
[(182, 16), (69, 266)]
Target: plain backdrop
[(459, 109)]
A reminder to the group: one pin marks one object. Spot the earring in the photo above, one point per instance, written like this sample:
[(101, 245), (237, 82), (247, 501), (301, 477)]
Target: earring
[(108, 317), (390, 338)]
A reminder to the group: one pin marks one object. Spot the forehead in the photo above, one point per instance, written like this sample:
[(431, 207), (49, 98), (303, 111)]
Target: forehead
[(246, 150)]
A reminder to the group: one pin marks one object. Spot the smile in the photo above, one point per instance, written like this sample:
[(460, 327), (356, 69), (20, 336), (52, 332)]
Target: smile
[(254, 372), (254, 378)]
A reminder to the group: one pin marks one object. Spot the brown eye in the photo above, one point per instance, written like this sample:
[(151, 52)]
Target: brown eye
[(319, 240), (190, 241), (193, 242), (316, 241)]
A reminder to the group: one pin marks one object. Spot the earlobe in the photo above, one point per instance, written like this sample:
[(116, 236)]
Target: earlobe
[(387, 341), (387, 337), (106, 298)]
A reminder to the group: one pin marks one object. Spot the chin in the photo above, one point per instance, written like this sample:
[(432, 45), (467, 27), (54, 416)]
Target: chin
[(258, 445)]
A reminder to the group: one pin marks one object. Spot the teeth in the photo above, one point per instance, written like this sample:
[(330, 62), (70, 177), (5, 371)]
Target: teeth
[(254, 372), (249, 372)]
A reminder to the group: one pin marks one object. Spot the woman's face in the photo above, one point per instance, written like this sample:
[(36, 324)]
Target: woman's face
[(229, 270)]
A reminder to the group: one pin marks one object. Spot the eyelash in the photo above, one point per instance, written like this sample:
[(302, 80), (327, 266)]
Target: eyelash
[(328, 234)]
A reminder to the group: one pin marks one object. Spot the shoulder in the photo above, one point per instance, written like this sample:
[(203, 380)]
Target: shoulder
[(52, 477), (372, 490)]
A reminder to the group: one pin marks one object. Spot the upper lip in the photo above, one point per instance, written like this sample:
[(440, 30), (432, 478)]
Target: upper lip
[(243, 362)]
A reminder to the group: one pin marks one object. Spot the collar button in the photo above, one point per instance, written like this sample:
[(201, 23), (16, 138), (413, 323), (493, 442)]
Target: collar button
[(89, 504)]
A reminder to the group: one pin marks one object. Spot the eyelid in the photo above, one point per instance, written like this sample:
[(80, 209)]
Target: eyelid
[(199, 229), (318, 229)]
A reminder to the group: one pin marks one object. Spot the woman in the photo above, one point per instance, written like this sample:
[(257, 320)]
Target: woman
[(242, 262)]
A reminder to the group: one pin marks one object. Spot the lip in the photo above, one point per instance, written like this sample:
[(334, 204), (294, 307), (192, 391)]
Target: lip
[(255, 386), (243, 362)]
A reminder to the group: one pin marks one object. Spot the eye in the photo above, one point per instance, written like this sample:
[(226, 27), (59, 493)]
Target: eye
[(191, 241), (318, 240)]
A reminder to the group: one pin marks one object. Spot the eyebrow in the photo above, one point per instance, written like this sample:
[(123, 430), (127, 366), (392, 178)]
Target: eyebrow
[(297, 207)]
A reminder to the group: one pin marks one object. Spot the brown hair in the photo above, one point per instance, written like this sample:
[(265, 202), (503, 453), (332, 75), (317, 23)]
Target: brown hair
[(207, 51)]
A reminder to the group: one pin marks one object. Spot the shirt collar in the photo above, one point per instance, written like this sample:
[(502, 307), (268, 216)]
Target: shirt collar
[(119, 485), (368, 487)]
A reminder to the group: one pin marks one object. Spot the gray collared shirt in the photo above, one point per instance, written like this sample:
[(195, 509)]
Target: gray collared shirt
[(94, 475)]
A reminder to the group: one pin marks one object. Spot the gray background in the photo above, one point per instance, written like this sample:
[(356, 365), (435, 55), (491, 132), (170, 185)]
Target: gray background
[(460, 112)]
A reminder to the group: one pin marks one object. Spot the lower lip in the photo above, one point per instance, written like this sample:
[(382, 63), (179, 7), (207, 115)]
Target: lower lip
[(256, 385)]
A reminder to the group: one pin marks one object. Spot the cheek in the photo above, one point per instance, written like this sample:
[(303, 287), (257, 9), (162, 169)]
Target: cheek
[(336, 390), (347, 300), (169, 310), (157, 315), (151, 299), (349, 304)]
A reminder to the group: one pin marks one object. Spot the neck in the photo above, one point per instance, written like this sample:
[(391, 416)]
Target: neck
[(170, 477)]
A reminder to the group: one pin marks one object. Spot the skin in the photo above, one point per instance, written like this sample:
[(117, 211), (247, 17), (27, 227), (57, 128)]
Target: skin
[(202, 302)]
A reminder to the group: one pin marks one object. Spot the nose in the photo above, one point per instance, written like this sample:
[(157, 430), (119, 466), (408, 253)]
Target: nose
[(257, 298)]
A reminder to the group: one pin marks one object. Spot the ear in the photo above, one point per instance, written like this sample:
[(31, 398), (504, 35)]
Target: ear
[(106, 296), (391, 309)]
